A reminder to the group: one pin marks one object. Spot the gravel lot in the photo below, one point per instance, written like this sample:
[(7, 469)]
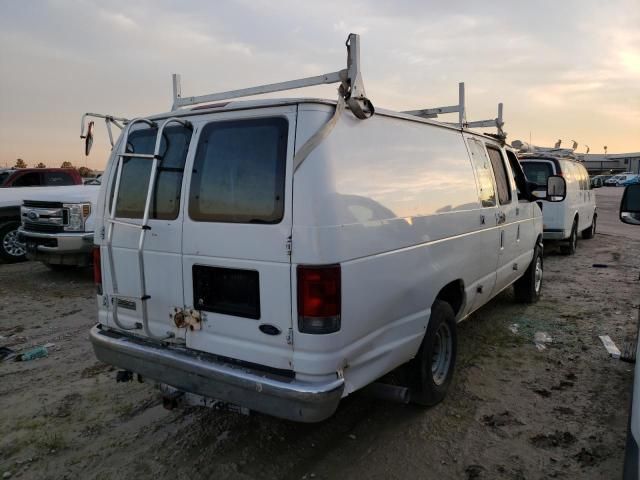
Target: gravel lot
[(513, 412)]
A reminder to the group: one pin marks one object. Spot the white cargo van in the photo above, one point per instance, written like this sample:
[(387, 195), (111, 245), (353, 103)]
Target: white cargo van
[(291, 252), (578, 213)]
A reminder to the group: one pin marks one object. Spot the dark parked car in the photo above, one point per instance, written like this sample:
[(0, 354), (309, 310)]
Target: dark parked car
[(39, 177)]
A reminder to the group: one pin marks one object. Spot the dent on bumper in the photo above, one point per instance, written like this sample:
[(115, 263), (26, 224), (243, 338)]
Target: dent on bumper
[(202, 374)]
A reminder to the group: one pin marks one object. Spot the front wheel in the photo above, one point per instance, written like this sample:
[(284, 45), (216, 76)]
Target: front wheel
[(432, 369), (529, 287), (11, 249), (591, 231)]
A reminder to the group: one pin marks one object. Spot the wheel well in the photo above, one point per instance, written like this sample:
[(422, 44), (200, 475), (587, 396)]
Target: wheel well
[(453, 294)]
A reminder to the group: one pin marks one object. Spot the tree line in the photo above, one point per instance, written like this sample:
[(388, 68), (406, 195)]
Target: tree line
[(83, 171)]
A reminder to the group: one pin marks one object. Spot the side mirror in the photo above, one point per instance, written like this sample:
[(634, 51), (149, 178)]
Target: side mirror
[(88, 139), (556, 188), (630, 205)]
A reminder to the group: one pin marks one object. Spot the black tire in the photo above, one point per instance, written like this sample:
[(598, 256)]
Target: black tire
[(570, 247), (428, 387), (10, 249), (591, 231), (529, 287)]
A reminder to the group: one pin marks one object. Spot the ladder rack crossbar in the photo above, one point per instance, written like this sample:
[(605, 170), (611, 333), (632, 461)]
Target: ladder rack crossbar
[(333, 77)]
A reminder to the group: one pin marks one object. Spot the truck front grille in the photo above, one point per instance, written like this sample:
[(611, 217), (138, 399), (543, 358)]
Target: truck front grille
[(42, 227)]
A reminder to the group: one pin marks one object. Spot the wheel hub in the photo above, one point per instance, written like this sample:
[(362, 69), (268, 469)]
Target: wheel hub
[(441, 358), (12, 244)]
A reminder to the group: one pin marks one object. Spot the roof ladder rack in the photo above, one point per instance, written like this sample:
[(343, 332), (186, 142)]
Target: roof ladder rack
[(460, 108), (352, 86)]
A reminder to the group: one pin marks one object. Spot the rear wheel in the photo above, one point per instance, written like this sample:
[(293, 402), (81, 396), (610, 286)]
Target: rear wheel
[(11, 249), (432, 369), (529, 286), (572, 244), (591, 231)]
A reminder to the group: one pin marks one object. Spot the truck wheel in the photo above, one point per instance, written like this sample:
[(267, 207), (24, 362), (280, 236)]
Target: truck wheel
[(11, 250), (432, 369), (529, 286), (591, 231), (570, 247)]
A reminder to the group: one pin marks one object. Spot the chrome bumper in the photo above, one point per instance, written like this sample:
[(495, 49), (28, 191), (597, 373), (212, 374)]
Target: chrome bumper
[(203, 374), (68, 242)]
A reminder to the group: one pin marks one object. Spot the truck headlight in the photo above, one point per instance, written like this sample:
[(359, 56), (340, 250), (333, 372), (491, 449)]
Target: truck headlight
[(78, 213)]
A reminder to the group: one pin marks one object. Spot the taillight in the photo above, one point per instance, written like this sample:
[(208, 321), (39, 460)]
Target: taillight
[(319, 299), (97, 270)]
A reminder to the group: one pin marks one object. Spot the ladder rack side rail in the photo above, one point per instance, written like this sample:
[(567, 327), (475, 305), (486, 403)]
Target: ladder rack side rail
[(333, 77)]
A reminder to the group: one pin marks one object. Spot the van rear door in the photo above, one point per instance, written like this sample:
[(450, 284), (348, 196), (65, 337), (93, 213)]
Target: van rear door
[(162, 249), (237, 226)]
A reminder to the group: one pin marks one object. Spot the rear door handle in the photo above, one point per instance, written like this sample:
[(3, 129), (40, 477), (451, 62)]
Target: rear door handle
[(501, 217)]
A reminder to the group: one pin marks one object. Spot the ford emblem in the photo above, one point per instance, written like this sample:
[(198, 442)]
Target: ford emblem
[(32, 215)]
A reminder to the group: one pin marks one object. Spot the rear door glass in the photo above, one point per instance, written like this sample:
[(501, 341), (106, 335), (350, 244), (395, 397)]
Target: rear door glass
[(165, 204), (538, 172), (239, 172)]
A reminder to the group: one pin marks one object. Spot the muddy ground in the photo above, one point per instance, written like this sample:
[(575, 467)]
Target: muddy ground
[(513, 412)]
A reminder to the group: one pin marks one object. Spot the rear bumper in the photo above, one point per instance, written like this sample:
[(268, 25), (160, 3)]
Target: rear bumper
[(204, 374), (61, 248), (554, 234)]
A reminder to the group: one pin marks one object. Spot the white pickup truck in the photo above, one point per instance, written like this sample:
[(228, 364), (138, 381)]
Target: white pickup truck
[(57, 226)]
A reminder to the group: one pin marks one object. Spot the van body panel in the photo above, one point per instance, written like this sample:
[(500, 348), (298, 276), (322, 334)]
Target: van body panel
[(397, 210)]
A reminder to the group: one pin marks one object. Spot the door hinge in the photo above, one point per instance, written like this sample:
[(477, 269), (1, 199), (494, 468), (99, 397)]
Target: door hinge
[(288, 245), (290, 337)]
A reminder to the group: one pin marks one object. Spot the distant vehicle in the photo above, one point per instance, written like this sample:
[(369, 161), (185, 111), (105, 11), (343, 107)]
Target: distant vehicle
[(635, 179), (39, 177), (97, 180), (597, 181), (299, 275), (577, 213), (612, 181), (18, 184), (57, 227)]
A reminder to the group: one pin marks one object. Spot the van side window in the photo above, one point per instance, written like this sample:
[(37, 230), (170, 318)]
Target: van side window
[(484, 175), (165, 204), (502, 177), (239, 172)]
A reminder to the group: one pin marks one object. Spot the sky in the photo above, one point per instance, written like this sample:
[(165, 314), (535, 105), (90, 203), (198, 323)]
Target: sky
[(565, 70)]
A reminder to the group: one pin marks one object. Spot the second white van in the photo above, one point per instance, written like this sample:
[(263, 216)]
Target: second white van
[(577, 214)]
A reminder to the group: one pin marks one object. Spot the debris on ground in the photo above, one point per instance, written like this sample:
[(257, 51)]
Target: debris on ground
[(38, 352), (514, 328), (6, 354), (600, 265), (540, 339), (610, 346)]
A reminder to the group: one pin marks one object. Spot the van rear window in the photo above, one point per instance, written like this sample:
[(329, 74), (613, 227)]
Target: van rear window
[(239, 172), (537, 172), (134, 181)]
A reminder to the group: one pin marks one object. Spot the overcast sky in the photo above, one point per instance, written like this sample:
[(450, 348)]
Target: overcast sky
[(564, 69)]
